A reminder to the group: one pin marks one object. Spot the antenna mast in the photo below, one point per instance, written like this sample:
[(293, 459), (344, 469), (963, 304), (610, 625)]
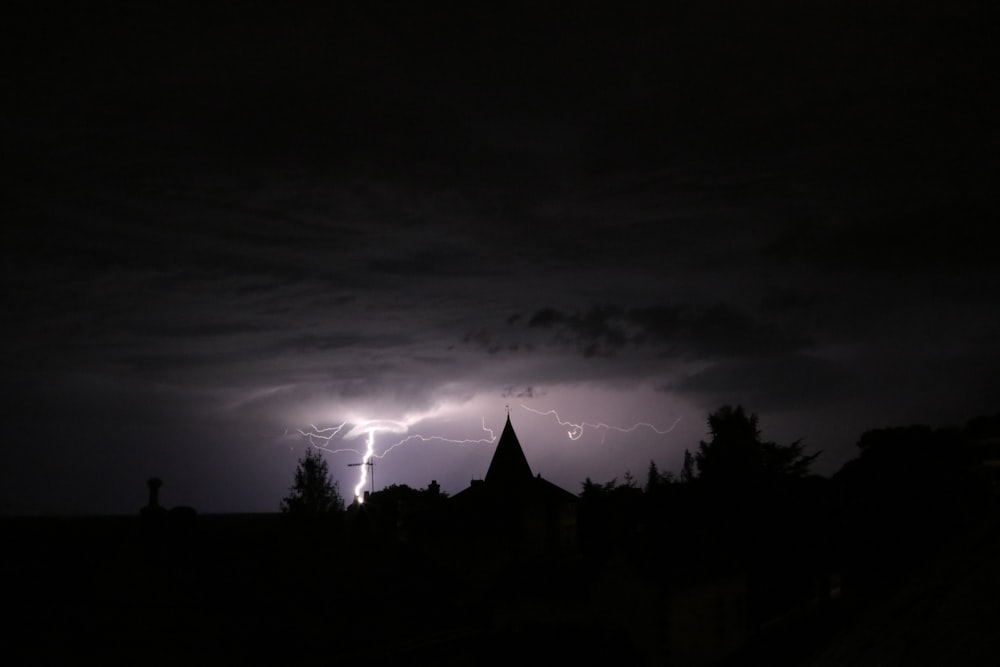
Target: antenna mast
[(371, 470)]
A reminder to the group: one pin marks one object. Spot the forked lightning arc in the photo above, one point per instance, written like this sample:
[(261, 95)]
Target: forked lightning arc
[(322, 438)]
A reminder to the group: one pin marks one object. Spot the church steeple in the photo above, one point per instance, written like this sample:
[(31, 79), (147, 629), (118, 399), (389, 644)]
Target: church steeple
[(509, 465)]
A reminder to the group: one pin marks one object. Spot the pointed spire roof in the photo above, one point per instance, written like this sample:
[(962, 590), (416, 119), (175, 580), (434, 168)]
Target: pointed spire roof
[(509, 465)]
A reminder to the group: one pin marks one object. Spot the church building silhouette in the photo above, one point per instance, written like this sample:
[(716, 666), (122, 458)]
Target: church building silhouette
[(514, 513)]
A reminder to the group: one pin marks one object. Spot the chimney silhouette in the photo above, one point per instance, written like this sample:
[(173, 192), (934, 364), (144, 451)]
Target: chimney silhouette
[(154, 484)]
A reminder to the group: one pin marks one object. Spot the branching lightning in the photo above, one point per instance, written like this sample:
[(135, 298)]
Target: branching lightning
[(333, 439), (321, 438), (319, 433), (575, 431)]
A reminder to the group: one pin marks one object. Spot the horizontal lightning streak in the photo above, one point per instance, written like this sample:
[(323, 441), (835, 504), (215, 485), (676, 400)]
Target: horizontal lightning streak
[(318, 434), (576, 429), (428, 438)]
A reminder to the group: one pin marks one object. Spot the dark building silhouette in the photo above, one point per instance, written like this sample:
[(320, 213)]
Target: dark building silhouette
[(153, 514), (179, 519), (512, 513)]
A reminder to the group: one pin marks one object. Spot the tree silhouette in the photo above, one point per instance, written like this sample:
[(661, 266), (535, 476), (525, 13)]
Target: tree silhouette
[(687, 471), (656, 480), (909, 490), (314, 490), (737, 454)]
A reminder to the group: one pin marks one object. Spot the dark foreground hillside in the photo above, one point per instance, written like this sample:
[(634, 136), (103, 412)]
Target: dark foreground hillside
[(260, 589), (946, 612)]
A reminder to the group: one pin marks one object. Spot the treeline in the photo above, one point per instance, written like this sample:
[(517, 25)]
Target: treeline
[(742, 503), (744, 536)]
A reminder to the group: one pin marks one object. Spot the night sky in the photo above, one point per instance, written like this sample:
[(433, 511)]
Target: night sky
[(231, 224)]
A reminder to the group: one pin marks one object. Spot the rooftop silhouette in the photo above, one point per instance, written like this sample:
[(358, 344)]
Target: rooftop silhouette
[(509, 465)]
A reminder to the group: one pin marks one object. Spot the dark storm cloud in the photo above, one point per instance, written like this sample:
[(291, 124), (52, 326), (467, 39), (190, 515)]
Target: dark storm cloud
[(793, 381), (784, 299), (685, 330), (932, 237), (519, 392), (718, 330), (596, 332), (220, 222), (438, 261)]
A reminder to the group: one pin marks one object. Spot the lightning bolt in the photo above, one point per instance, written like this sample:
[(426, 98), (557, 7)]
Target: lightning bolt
[(369, 451), (322, 438), (575, 431)]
